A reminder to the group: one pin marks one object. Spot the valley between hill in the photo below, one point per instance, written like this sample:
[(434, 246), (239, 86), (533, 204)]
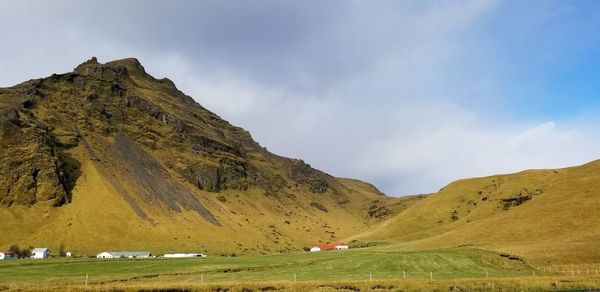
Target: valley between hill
[(107, 157)]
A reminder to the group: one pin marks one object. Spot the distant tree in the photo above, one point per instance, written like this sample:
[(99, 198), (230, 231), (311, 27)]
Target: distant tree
[(21, 253), (61, 250), (25, 253), (15, 248)]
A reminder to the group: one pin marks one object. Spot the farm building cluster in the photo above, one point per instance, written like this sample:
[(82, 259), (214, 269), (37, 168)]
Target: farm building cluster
[(43, 252), (36, 253), (329, 246)]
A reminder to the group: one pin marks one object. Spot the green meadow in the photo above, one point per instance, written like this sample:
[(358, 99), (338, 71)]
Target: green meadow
[(332, 265)]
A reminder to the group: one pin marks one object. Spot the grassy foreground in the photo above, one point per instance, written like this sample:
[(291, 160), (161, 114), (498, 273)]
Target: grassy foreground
[(354, 270)]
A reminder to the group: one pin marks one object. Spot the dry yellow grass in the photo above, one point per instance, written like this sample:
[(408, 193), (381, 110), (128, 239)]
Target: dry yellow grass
[(547, 216), (99, 219), (490, 284)]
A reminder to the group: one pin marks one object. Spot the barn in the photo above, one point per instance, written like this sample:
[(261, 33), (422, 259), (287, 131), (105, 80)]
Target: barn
[(8, 255), (184, 255), (40, 253), (123, 254)]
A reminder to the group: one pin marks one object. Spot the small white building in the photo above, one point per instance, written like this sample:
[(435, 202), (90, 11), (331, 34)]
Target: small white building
[(104, 255), (123, 254), (184, 255), (68, 254), (40, 253), (315, 248), (341, 247), (8, 255)]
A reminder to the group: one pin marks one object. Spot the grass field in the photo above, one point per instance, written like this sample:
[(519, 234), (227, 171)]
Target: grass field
[(352, 265), (353, 270)]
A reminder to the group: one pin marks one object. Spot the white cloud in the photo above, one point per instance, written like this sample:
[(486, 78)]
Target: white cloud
[(413, 149), (407, 95)]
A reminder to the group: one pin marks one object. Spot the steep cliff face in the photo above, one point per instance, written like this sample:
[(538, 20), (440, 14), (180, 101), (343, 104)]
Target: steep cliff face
[(161, 154), (32, 167)]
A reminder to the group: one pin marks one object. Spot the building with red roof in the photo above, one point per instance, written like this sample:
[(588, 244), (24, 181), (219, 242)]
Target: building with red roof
[(329, 246), (8, 255)]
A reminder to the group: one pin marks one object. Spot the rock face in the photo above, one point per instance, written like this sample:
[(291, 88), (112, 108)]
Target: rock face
[(42, 121), (31, 168)]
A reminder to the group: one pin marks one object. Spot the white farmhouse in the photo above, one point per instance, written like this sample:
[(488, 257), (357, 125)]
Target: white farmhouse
[(40, 253), (315, 248), (8, 255), (341, 247), (123, 254)]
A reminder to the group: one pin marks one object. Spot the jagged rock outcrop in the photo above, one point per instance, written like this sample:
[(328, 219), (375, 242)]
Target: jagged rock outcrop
[(302, 173), (119, 97), (31, 169)]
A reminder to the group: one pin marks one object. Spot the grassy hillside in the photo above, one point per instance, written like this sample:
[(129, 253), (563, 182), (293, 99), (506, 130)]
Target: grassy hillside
[(547, 216), (99, 219)]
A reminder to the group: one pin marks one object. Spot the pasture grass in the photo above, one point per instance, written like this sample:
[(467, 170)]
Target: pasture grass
[(308, 269)]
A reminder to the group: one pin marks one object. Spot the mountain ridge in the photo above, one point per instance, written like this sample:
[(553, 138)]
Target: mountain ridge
[(173, 173)]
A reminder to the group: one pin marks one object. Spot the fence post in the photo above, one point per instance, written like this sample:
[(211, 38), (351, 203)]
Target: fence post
[(201, 278), (370, 276), (431, 275), (487, 274), (86, 279), (294, 277)]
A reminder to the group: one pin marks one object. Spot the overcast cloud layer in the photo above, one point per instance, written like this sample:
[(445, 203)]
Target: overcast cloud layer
[(408, 95)]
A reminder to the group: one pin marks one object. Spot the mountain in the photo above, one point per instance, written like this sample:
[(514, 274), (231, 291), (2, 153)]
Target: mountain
[(545, 216), (108, 157)]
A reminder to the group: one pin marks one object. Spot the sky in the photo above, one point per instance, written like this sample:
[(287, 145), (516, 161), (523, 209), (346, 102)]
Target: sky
[(407, 95)]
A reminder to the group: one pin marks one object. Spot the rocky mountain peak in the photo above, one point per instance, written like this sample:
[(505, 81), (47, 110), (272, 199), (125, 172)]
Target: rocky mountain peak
[(119, 99), (117, 70), (111, 133)]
